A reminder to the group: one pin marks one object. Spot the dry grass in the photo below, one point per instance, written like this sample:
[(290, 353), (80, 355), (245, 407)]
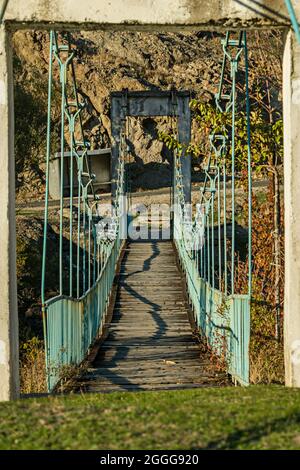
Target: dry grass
[(33, 370), (267, 364), (70, 377), (32, 367)]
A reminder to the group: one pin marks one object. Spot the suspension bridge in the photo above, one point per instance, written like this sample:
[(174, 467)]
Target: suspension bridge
[(162, 305), (77, 312)]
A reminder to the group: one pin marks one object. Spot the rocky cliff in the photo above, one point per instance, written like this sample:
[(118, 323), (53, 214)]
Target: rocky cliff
[(110, 61)]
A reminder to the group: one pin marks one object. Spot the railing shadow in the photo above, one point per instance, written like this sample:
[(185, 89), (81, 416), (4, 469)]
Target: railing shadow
[(154, 311)]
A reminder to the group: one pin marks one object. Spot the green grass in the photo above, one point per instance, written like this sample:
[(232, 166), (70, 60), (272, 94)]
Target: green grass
[(259, 417)]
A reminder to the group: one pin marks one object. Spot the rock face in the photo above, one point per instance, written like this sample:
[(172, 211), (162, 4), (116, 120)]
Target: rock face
[(109, 61), (112, 61)]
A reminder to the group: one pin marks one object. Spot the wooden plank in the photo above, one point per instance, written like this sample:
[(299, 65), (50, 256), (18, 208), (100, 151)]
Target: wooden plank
[(140, 326), (146, 387), (144, 355), (150, 318), (167, 328), (170, 300), (164, 294), (151, 368), (163, 284), (161, 380), (157, 373), (144, 297), (172, 317), (143, 342), (149, 312), (128, 363)]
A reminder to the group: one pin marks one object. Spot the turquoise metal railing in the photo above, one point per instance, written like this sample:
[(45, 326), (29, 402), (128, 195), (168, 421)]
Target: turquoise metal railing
[(88, 254), (223, 320), (88, 251), (207, 244), (72, 324)]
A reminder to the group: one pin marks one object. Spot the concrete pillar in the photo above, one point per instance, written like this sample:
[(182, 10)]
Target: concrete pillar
[(9, 348), (291, 98)]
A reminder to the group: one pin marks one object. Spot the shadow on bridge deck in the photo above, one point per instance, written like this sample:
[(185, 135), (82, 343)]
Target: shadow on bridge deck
[(150, 343)]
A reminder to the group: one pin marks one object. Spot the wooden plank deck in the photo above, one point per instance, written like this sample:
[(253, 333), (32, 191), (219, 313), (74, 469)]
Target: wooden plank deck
[(150, 343)]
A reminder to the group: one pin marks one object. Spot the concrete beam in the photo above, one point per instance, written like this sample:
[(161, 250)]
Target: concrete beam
[(291, 97), (144, 14), (151, 102), (9, 331)]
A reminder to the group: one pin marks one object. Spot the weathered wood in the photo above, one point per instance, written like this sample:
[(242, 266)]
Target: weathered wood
[(142, 345), (152, 368), (180, 379), (183, 360), (135, 330), (98, 388), (140, 356), (149, 343)]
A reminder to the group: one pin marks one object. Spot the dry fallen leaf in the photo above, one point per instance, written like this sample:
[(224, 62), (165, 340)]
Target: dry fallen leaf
[(170, 363)]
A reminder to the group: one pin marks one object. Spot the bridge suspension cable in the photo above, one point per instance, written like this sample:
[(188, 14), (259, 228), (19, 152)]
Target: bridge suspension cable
[(293, 17), (210, 263), (88, 246)]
